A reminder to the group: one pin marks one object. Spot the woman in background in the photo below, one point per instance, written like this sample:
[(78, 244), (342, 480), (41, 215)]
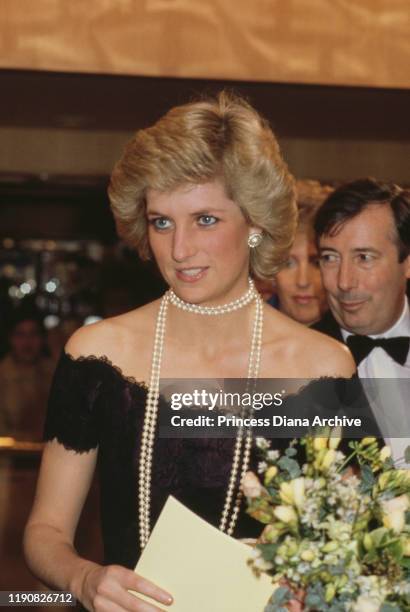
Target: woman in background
[(297, 289)]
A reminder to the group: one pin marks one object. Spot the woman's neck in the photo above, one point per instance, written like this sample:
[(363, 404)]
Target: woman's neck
[(212, 323), (188, 329)]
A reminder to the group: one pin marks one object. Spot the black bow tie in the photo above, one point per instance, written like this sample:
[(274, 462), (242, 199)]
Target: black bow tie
[(361, 346)]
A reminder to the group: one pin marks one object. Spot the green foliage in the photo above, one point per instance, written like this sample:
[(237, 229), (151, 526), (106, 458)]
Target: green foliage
[(368, 479), (290, 466), (268, 551), (390, 607), (405, 563), (279, 599), (315, 597)]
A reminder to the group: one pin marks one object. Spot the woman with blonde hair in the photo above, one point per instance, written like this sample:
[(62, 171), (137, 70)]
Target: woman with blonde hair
[(298, 285), (205, 193)]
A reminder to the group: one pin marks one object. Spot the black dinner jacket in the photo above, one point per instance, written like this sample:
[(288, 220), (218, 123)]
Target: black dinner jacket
[(329, 326)]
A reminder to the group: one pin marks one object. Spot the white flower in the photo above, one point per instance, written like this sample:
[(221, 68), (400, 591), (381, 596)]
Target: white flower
[(251, 485), (366, 604), (293, 492), (272, 455), (402, 588), (262, 467), (338, 530), (262, 443), (286, 514), (394, 512)]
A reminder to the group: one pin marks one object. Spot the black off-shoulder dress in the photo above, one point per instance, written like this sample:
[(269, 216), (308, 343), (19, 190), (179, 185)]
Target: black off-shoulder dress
[(92, 404)]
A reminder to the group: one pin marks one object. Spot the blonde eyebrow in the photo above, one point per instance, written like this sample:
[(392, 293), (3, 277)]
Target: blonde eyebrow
[(154, 212), (207, 211)]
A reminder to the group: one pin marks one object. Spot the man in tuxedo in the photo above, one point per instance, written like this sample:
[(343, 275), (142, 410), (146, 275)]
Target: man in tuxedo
[(363, 235)]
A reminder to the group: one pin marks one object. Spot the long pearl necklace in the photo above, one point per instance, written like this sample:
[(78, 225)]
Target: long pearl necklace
[(243, 441)]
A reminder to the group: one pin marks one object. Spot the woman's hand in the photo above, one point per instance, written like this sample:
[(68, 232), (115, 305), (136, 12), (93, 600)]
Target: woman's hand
[(106, 589)]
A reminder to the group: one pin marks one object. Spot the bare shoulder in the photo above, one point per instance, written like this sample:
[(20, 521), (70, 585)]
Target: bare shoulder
[(310, 354), (114, 336)]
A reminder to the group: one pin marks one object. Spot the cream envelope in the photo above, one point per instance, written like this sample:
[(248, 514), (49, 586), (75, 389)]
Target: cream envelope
[(204, 569)]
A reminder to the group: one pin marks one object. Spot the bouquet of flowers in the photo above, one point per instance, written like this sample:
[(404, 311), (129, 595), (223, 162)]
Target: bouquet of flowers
[(336, 538)]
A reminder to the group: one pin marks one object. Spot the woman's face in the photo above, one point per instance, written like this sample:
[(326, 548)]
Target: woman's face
[(198, 237), (299, 284)]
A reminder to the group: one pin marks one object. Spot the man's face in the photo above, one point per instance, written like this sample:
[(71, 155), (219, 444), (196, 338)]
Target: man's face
[(364, 281), (26, 342)]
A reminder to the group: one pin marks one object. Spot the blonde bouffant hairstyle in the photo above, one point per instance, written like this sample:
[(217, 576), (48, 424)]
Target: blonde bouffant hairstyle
[(310, 195), (219, 138)]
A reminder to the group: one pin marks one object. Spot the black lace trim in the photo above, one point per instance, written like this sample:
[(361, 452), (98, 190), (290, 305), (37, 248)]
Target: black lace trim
[(104, 359), (83, 391)]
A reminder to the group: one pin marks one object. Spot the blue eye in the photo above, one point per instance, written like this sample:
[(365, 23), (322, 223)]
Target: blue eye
[(291, 263), (160, 223), (207, 220)]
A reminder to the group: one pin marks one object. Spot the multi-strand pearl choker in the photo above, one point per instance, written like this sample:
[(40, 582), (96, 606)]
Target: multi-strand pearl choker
[(243, 442)]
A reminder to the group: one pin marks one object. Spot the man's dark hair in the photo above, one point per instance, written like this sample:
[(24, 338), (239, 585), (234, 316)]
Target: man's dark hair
[(352, 198)]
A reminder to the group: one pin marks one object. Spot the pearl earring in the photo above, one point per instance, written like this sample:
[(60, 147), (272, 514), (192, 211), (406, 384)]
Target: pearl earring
[(254, 240)]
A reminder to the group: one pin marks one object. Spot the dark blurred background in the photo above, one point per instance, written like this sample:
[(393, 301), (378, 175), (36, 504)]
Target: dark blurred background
[(61, 134)]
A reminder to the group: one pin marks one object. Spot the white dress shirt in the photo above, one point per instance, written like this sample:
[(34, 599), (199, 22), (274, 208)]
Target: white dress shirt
[(390, 402)]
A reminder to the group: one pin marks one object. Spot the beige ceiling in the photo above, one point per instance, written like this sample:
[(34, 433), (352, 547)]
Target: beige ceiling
[(335, 42)]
